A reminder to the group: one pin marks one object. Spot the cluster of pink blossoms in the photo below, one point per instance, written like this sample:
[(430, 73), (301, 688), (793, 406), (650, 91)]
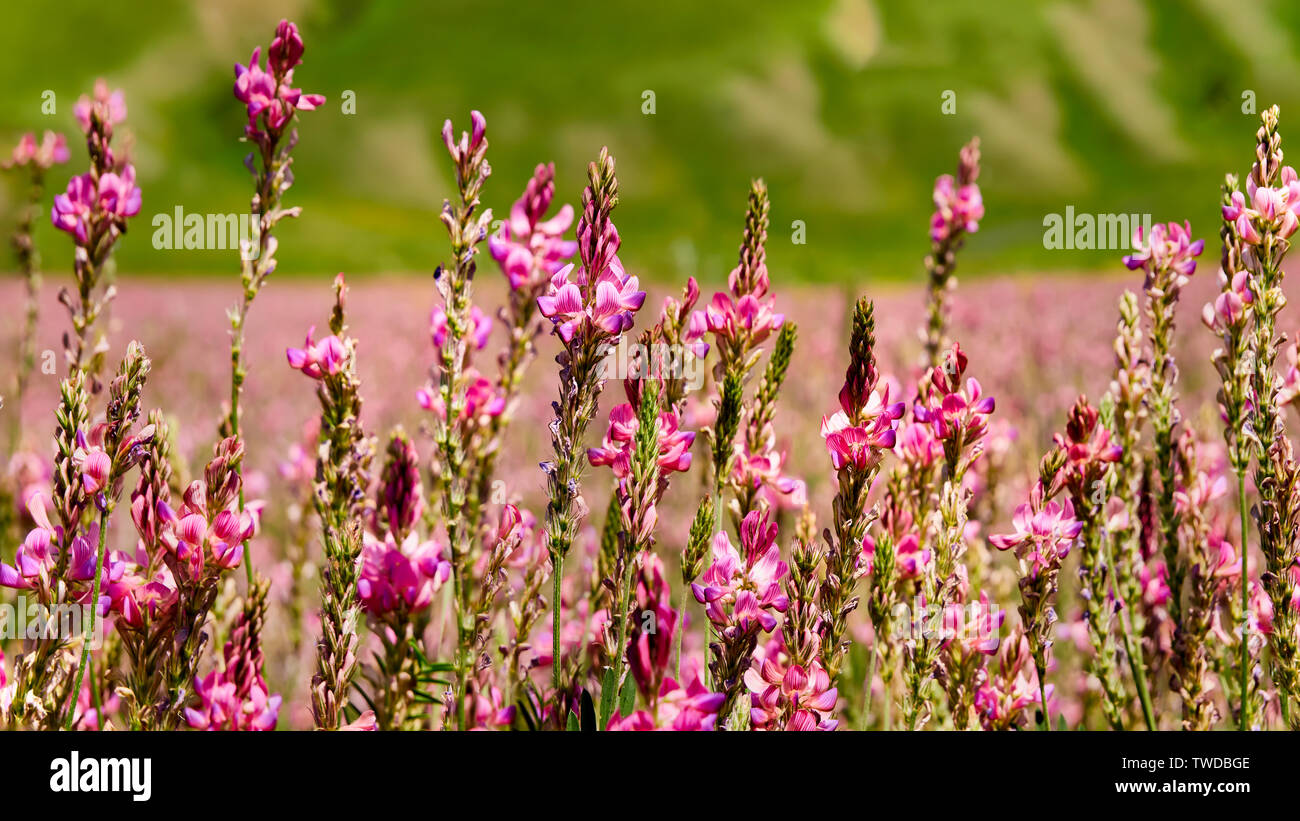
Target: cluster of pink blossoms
[(115, 197), (786, 696), (958, 414), (1271, 210), (52, 150), (616, 299), (615, 451), (1044, 533), (395, 575), (481, 396), (268, 93), (318, 359), (530, 249), (672, 706), (740, 593), (105, 196), (957, 208), (1003, 695), (1169, 245), (862, 446)]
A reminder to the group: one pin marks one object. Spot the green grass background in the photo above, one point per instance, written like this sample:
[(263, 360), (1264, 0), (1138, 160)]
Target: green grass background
[(1107, 105)]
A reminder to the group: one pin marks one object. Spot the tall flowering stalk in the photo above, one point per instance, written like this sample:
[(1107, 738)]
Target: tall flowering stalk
[(1044, 533), (94, 211), (530, 248), (271, 103), (466, 226), (590, 310), (959, 207), (36, 159), (741, 319), (1127, 403), (957, 414), (741, 593), (342, 476), (643, 446), (1229, 317), (122, 449), (1086, 476), (236, 697), (857, 437), (1265, 226)]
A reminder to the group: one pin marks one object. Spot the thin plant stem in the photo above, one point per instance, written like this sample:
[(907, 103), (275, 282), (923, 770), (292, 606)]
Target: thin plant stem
[(1243, 719), (88, 625)]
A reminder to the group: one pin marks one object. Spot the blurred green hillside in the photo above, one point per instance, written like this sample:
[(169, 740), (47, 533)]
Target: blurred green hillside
[(1106, 105)]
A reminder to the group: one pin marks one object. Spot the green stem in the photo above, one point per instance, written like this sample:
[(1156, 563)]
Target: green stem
[(88, 624), (1244, 716), (557, 573), (871, 680)]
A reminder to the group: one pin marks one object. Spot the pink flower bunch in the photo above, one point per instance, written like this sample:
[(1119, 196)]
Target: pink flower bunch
[(785, 696), (600, 309), (650, 645), (911, 561), (616, 450), (105, 108), (1044, 533), (743, 321), (740, 593), (400, 576), (481, 398), (861, 446), (764, 470), (1271, 210), (52, 150), (1003, 695), (530, 248), (268, 93), (196, 535), (235, 696), (691, 708), (480, 331), (318, 359), (37, 557), (114, 197), (958, 208), (957, 414), (1230, 308), (1169, 246)]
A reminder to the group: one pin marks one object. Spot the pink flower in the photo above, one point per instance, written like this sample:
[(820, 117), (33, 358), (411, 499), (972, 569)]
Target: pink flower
[(956, 414), (480, 327), (616, 451), (1006, 692), (1169, 246), (270, 93), (750, 319), (957, 209), (910, 561), (615, 299), (318, 359), (109, 108), (72, 209), (692, 708), (778, 688), (53, 150), (862, 446), (481, 399), (1044, 533), (400, 577), (118, 194), (221, 707), (528, 248), (739, 593), (1271, 210)]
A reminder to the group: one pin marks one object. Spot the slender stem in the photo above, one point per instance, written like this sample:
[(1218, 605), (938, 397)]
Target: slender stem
[(1042, 695), (556, 577), (1136, 663), (88, 624), (871, 682), (1243, 721), (620, 648)]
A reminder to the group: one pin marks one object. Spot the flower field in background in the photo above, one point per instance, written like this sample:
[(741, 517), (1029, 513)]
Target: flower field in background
[(533, 492)]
